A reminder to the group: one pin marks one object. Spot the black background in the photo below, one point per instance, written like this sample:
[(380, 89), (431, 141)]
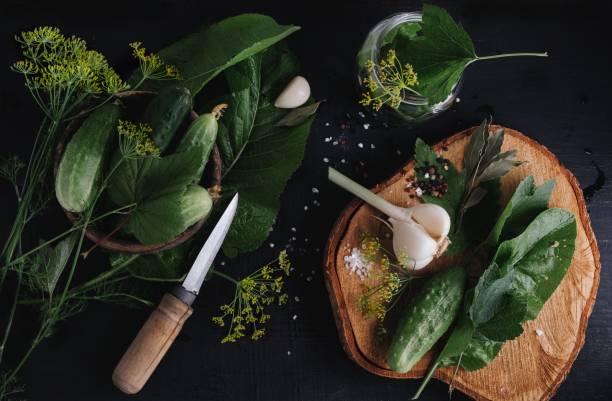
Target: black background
[(563, 102)]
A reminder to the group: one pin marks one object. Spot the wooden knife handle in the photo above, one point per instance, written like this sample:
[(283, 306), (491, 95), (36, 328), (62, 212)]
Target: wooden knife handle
[(151, 344)]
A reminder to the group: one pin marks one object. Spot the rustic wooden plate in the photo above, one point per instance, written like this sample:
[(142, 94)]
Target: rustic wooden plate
[(530, 367)]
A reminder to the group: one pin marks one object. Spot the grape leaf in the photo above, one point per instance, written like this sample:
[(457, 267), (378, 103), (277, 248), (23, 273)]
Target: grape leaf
[(439, 55), (258, 156), (157, 186), (203, 55)]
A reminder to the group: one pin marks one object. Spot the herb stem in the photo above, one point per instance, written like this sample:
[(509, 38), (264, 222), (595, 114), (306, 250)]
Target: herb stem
[(426, 380), (225, 276), (504, 55)]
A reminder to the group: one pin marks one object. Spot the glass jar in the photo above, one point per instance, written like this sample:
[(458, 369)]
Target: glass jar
[(412, 108)]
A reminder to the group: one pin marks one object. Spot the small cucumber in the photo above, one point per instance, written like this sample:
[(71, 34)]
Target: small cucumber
[(426, 319), (166, 112), (80, 170), (202, 132), (196, 204)]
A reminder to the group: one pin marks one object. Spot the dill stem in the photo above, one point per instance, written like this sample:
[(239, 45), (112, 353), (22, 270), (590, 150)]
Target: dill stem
[(225, 276)]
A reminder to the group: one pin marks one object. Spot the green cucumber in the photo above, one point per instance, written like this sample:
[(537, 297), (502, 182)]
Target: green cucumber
[(196, 204), (426, 319), (166, 112), (202, 132), (80, 170)]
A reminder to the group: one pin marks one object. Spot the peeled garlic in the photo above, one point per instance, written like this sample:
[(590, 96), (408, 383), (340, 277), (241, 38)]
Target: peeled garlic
[(420, 233), (295, 94)]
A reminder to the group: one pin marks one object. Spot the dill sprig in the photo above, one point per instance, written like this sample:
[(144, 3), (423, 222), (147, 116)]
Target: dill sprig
[(151, 65), (253, 294), (135, 140), (389, 279), (387, 82)]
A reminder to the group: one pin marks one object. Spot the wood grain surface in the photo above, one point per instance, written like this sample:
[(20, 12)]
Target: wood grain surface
[(530, 367)]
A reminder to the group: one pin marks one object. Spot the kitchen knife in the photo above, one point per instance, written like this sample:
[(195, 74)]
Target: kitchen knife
[(160, 330)]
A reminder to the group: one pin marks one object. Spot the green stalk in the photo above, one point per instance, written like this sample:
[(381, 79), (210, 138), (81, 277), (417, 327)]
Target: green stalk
[(225, 276), (366, 195), (426, 379), (504, 55)]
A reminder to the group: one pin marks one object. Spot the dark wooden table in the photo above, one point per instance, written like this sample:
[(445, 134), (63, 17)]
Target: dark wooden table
[(563, 102)]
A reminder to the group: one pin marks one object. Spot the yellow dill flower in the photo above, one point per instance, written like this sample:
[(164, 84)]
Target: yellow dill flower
[(388, 82), (135, 141), (387, 281), (151, 65), (254, 293)]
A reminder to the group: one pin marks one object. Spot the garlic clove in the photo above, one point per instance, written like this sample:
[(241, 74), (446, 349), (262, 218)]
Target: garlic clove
[(411, 241), (295, 94), (433, 218), (419, 264)]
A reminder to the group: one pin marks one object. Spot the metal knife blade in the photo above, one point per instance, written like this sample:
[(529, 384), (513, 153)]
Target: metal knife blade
[(209, 251)]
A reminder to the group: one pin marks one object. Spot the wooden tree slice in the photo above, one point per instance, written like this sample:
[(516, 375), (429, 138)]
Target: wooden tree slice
[(530, 367)]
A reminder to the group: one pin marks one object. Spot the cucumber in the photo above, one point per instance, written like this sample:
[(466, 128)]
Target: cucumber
[(202, 132), (196, 204), (166, 112), (80, 170), (426, 319)]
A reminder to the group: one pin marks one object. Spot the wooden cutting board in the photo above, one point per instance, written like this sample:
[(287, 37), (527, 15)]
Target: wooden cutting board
[(530, 367)]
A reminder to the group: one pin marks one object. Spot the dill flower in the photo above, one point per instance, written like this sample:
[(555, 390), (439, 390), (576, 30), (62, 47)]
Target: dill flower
[(387, 82), (247, 310), (135, 141), (151, 65), (389, 279)]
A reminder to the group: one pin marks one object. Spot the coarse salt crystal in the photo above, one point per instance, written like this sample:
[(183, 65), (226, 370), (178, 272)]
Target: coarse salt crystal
[(360, 145), (343, 161), (366, 126), (539, 332), (315, 190), (328, 139), (372, 146), (419, 192), (361, 114), (326, 160), (335, 143), (294, 317), (355, 263), (296, 298), (305, 208), (293, 229), (271, 244)]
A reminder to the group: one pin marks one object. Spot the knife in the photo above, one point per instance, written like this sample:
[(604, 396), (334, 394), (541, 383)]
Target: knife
[(160, 330)]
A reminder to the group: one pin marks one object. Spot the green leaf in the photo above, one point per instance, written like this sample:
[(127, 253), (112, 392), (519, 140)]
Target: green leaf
[(157, 186), (526, 203), (439, 55), (202, 55), (425, 156), (407, 30), (166, 266), (479, 352), (524, 273), (258, 156), (299, 115), (55, 260), (499, 166)]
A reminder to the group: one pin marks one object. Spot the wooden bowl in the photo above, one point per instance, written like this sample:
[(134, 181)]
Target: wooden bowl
[(106, 240), (528, 368)]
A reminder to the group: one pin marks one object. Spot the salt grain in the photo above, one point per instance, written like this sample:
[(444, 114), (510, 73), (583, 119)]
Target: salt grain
[(355, 263), (343, 161), (366, 126), (327, 124), (326, 160), (360, 145), (295, 317), (372, 146), (361, 114), (289, 353), (296, 298), (315, 190), (309, 279), (328, 139), (293, 229), (271, 245), (305, 208)]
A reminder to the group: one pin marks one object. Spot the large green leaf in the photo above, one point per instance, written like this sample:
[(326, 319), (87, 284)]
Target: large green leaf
[(202, 55), (439, 55), (524, 273), (170, 265), (157, 186), (258, 156)]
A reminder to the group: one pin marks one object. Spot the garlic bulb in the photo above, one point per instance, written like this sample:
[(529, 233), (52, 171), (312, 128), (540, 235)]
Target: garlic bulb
[(420, 233), (295, 94)]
